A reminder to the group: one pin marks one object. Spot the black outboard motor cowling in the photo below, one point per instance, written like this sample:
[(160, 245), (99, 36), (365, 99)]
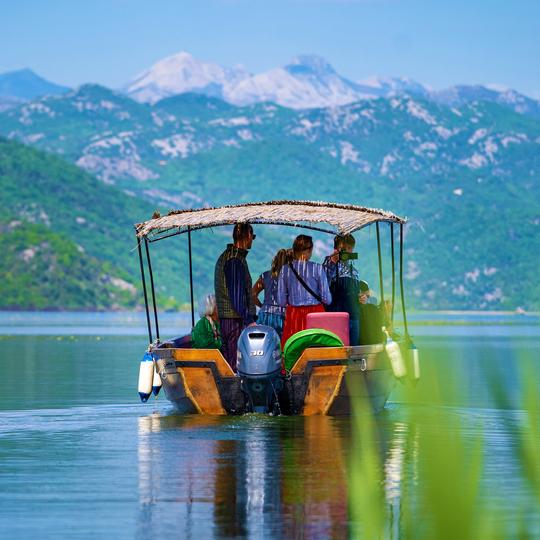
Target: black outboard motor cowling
[(259, 368)]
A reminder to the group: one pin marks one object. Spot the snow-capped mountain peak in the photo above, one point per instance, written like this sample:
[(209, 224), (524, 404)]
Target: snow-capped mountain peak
[(388, 86), (180, 73), (311, 62), (307, 81), (497, 87)]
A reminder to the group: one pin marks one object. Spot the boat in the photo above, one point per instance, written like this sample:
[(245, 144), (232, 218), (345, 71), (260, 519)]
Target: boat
[(324, 380)]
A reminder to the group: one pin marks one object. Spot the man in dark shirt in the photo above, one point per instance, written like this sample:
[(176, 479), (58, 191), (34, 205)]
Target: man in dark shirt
[(371, 320), (232, 282), (343, 280)]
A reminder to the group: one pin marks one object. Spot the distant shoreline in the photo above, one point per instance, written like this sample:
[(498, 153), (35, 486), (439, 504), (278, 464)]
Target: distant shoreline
[(450, 312), (133, 323)]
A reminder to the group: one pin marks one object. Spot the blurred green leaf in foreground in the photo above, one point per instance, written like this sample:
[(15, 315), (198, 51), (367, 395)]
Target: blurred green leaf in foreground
[(431, 483)]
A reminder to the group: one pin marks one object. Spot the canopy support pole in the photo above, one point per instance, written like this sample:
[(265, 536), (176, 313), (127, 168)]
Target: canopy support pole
[(152, 287), (401, 281), (393, 272), (191, 279), (380, 263), (139, 240)]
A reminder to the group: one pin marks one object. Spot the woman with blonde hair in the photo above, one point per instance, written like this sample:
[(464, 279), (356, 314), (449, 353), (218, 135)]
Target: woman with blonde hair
[(271, 313), (302, 288)]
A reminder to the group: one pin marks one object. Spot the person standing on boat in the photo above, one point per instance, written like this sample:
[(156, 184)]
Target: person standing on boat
[(344, 283), (371, 321), (232, 282), (271, 313), (302, 288)]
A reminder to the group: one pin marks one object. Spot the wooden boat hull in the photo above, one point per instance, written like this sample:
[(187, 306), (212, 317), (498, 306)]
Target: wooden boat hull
[(329, 380)]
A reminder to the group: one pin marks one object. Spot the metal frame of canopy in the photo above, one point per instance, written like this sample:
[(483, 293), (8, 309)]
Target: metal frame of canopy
[(345, 219)]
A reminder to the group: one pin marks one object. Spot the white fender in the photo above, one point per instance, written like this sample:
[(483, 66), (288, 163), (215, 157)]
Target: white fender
[(157, 382), (415, 361), (394, 354), (146, 376)]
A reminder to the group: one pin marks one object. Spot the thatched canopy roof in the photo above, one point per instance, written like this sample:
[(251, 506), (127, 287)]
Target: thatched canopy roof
[(342, 218)]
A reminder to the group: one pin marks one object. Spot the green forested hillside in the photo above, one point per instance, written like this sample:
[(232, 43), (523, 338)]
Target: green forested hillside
[(41, 269), (467, 177), (67, 239)]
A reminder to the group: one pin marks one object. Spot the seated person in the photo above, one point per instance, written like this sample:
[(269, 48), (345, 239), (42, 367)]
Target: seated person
[(371, 319), (206, 333)]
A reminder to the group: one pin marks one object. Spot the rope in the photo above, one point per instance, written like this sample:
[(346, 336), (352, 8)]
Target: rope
[(152, 287), (145, 294), (380, 263), (393, 271), (191, 280), (401, 281)]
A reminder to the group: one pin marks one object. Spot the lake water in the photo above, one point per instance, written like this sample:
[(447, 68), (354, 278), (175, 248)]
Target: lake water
[(82, 458)]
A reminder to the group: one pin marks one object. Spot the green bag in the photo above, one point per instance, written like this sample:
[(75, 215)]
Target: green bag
[(313, 337)]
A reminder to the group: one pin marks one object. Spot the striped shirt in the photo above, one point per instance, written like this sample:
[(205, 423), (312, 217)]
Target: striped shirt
[(292, 292), (270, 304)]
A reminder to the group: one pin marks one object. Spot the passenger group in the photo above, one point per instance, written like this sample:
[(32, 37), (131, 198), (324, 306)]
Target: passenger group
[(293, 287)]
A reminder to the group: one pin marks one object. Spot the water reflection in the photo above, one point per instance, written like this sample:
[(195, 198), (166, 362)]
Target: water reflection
[(261, 477), (70, 425), (393, 466), (255, 476), (239, 483)]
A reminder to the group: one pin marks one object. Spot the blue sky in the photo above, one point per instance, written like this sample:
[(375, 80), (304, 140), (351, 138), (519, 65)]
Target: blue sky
[(436, 42)]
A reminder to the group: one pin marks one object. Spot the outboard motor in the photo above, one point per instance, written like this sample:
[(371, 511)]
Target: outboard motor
[(259, 368)]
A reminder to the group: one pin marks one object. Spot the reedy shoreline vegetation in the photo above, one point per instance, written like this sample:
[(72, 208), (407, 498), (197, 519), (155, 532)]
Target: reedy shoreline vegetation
[(442, 493)]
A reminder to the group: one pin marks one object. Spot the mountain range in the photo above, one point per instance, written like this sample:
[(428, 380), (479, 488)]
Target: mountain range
[(24, 85), (466, 174), (308, 81)]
